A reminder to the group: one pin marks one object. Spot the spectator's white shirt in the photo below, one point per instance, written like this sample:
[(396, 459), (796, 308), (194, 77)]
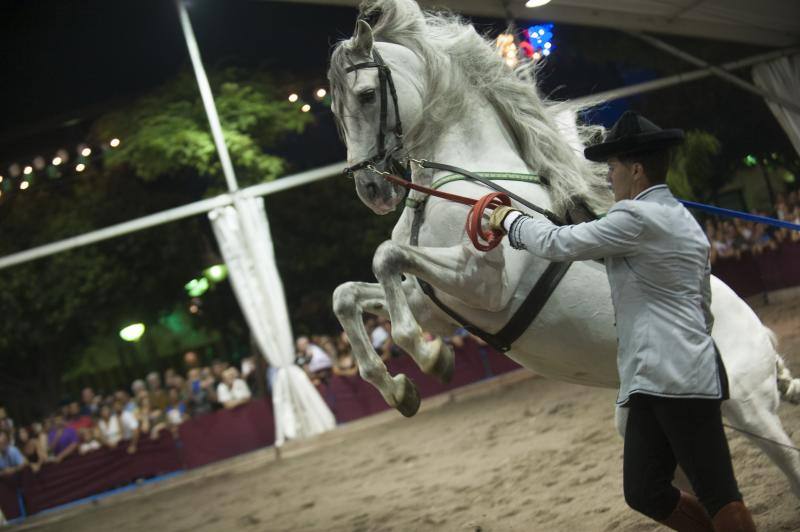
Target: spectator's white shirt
[(319, 358), (239, 391), (89, 446), (129, 424), (379, 336), (174, 416), (110, 429)]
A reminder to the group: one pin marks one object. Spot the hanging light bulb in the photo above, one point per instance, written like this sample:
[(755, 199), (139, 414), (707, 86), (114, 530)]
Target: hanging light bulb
[(293, 97), (80, 167), (321, 93), (114, 142), (28, 170), (24, 185), (56, 160), (87, 151), (306, 108)]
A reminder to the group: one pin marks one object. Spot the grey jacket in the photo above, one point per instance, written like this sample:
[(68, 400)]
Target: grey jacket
[(656, 257)]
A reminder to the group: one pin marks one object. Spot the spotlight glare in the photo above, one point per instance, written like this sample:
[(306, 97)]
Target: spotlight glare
[(86, 152), (306, 108), (293, 97), (80, 167), (56, 161), (321, 93), (27, 170), (24, 185), (536, 3), (113, 142)]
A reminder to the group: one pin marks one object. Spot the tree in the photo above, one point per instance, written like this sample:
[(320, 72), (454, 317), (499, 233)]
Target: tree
[(693, 170), (55, 307)]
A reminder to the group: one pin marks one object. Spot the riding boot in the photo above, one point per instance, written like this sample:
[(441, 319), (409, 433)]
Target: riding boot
[(689, 516), (734, 517)]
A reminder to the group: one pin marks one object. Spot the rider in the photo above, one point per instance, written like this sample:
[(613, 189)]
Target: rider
[(672, 380)]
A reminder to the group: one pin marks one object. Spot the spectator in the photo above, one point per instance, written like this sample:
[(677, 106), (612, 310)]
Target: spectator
[(345, 364), (109, 427), (89, 441), (62, 440), (150, 421), (169, 377), (11, 459), (137, 387), (89, 403), (6, 423), (128, 403), (317, 362), (198, 397), (75, 419), (190, 360), (158, 397), (232, 391), (30, 446), (217, 368), (176, 411), (381, 338)]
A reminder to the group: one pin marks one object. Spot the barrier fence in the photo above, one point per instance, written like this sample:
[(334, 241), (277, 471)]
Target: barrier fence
[(217, 436)]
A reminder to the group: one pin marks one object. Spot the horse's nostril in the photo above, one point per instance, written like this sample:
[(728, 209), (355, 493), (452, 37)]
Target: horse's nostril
[(372, 190)]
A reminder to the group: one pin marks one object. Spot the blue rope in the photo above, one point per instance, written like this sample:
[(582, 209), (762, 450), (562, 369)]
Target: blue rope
[(743, 215)]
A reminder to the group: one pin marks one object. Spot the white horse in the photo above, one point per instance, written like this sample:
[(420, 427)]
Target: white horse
[(459, 104)]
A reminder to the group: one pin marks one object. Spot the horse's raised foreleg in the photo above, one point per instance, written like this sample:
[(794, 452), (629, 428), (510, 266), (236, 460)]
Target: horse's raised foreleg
[(350, 301), (455, 270)]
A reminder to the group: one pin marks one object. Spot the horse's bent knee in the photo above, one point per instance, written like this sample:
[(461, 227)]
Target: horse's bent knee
[(344, 299), (386, 257), (371, 373)]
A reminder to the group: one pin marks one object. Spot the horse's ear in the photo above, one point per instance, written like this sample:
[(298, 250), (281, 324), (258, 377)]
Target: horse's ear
[(363, 40)]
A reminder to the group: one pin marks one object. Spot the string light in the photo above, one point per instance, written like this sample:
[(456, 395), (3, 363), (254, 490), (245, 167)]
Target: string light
[(80, 167), (86, 152), (114, 142), (28, 170), (24, 185), (56, 160), (321, 93), (293, 97), (306, 108)]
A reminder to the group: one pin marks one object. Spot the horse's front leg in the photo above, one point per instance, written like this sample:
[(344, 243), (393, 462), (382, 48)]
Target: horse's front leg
[(350, 301), (455, 270)]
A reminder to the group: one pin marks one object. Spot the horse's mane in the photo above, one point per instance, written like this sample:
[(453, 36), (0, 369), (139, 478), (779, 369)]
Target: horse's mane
[(458, 59)]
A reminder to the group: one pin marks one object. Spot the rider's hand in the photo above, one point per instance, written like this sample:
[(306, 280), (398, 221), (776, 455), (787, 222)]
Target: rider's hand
[(498, 215)]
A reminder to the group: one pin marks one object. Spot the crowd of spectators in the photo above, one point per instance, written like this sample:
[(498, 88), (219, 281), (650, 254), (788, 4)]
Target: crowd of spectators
[(731, 238), (162, 402), (96, 421)]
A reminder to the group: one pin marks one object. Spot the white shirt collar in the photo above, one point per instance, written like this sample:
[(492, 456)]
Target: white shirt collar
[(648, 190)]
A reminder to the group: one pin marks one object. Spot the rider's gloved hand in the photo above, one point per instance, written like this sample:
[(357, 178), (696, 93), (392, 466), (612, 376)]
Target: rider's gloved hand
[(500, 215)]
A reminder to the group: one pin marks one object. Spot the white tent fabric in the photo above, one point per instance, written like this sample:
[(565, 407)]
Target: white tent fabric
[(245, 241), (782, 77)]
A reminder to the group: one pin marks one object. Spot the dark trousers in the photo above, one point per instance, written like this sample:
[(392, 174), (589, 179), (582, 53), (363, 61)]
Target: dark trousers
[(664, 432)]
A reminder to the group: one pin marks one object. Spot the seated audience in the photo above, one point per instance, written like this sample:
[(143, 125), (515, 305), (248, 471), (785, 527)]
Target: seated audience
[(28, 443), (89, 440), (11, 459), (62, 440), (232, 391), (315, 360), (198, 396), (6, 423)]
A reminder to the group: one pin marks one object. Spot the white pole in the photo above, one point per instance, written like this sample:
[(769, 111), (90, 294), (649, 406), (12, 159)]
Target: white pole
[(677, 79), (208, 97), (170, 215)]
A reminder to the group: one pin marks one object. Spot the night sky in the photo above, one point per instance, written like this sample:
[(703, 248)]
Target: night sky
[(66, 62)]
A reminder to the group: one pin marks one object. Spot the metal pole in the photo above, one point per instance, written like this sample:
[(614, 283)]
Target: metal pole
[(717, 71), (677, 79), (208, 97), (171, 215)]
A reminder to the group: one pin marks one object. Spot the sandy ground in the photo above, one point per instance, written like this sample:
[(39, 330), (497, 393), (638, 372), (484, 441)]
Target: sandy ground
[(517, 454)]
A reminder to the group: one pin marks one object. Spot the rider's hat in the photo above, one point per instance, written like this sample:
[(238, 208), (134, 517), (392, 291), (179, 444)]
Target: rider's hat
[(633, 133)]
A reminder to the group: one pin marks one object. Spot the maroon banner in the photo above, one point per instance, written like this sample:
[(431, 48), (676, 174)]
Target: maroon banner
[(755, 274), (97, 471), (227, 433), (9, 503)]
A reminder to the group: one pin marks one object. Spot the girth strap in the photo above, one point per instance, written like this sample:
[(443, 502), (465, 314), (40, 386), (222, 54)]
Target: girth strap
[(525, 314)]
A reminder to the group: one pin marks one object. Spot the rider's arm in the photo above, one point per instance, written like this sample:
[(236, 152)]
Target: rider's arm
[(617, 234)]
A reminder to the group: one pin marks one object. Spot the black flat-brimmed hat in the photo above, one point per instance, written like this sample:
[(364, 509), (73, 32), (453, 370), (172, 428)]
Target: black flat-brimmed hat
[(633, 133)]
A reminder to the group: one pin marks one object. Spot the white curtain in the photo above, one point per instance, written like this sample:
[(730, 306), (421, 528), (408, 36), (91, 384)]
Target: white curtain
[(245, 241), (782, 78)]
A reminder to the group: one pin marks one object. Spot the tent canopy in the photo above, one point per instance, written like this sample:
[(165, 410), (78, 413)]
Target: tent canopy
[(766, 22)]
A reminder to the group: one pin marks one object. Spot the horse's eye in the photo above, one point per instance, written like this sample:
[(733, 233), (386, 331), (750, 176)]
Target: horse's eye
[(367, 96)]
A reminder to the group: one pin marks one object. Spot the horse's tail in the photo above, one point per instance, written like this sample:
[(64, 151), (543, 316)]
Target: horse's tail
[(788, 386)]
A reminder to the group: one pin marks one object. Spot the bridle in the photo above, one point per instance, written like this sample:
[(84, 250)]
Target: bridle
[(384, 160)]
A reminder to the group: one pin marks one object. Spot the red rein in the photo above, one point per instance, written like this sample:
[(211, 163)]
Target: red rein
[(477, 207)]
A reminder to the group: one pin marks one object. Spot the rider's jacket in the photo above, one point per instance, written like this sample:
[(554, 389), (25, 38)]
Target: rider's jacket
[(656, 256)]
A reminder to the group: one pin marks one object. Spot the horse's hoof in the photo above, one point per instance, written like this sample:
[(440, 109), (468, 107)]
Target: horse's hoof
[(408, 405), (445, 364)]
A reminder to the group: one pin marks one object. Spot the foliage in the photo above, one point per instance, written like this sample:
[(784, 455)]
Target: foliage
[(166, 133), (692, 171), (59, 310)]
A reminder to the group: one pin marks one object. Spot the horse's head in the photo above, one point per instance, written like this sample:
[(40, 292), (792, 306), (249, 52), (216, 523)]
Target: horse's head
[(376, 92)]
